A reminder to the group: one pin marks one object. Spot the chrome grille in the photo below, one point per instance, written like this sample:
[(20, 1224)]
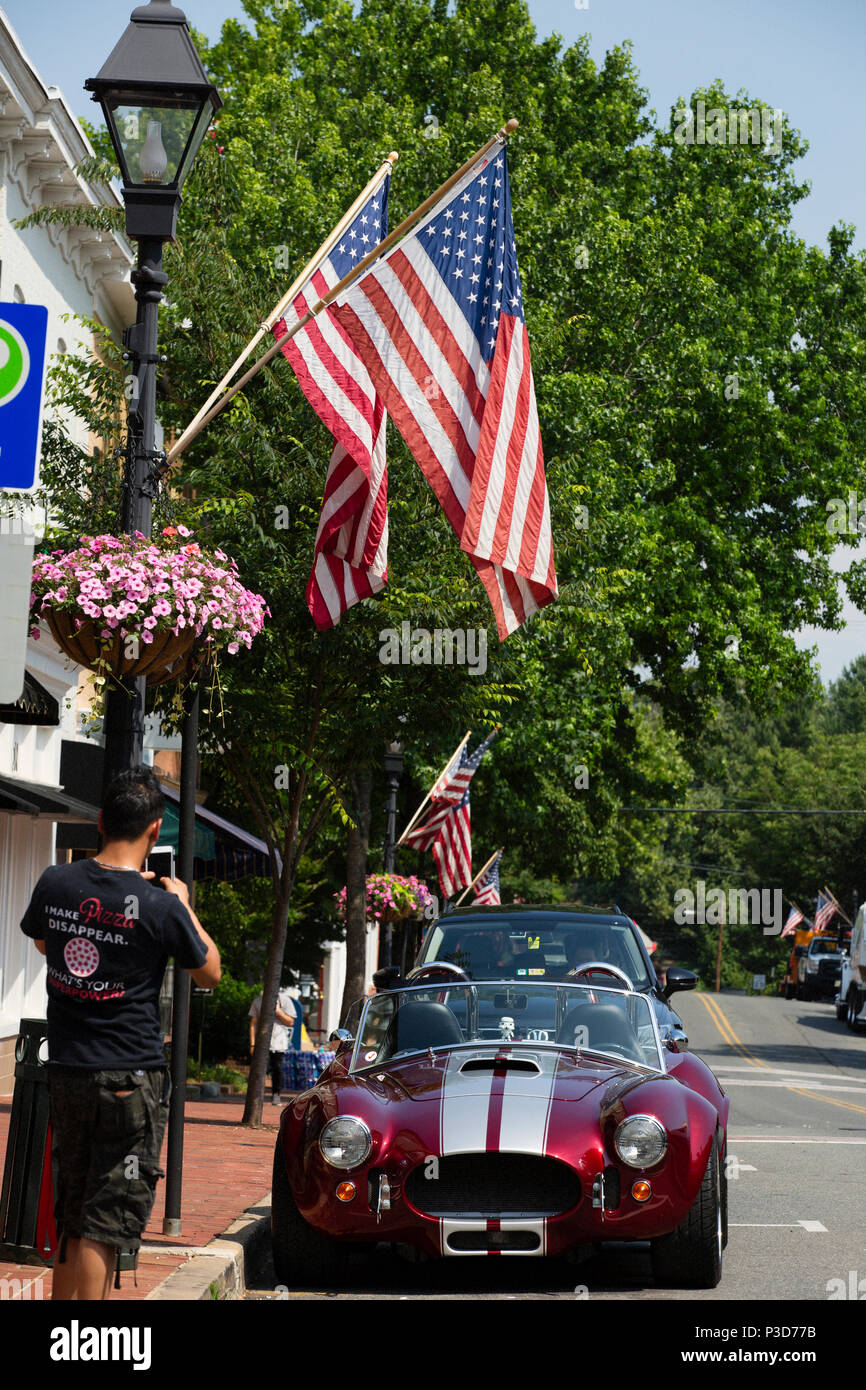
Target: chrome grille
[(493, 1184)]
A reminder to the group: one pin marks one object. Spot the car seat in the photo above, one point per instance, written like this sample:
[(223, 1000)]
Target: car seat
[(606, 1027), (419, 1024)]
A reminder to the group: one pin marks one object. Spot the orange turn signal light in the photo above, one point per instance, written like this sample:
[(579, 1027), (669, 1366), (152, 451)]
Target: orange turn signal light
[(641, 1191), (345, 1191)]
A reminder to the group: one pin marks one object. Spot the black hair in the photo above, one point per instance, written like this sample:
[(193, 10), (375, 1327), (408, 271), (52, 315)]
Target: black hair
[(132, 802)]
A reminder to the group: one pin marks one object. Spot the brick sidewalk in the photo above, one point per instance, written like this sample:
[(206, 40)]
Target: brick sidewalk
[(226, 1169)]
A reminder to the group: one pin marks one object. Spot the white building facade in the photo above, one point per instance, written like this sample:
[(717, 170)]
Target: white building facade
[(73, 271)]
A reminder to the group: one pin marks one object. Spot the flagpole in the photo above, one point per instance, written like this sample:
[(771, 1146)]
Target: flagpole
[(479, 875), (347, 280), (276, 313), (435, 780), (839, 905)]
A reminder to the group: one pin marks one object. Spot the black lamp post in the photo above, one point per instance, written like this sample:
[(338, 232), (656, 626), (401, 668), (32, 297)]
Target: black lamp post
[(393, 771), (157, 102)]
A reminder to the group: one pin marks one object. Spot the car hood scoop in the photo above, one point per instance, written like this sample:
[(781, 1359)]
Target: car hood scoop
[(501, 1064), (477, 1073)]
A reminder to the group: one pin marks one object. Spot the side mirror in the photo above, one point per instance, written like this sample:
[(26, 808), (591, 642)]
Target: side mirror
[(675, 1040), (341, 1038), (676, 979)]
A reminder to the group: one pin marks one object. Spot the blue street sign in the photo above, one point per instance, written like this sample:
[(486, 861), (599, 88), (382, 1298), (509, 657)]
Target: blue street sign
[(23, 331)]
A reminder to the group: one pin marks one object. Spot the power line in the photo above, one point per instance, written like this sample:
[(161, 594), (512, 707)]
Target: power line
[(736, 811)]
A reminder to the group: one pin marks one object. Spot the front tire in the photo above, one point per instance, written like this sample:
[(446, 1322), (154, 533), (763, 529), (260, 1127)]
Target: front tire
[(723, 1191), (854, 1007), (301, 1253), (691, 1256)]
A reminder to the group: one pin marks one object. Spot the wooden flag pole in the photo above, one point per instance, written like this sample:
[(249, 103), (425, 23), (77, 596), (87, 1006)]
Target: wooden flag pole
[(347, 280), (276, 313), (479, 875), (435, 780), (839, 905)]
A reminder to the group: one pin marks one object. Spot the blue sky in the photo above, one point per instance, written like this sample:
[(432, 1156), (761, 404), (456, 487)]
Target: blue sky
[(802, 56)]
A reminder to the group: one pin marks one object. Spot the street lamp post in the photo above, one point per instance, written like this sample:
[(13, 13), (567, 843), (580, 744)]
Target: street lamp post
[(393, 771), (157, 102)]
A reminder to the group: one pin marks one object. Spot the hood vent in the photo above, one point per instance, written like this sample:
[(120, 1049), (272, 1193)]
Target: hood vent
[(525, 1064)]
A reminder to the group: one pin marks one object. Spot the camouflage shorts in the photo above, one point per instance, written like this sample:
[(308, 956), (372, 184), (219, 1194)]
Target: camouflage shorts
[(106, 1148)]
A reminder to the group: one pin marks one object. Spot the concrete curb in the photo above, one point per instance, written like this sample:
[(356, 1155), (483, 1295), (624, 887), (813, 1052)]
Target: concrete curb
[(217, 1271)]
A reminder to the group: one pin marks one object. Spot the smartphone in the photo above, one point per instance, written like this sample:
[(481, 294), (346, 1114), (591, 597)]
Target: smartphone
[(161, 861)]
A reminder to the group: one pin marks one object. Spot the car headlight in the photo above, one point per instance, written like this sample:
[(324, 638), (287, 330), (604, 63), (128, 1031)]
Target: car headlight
[(811, 966), (640, 1141), (345, 1141)]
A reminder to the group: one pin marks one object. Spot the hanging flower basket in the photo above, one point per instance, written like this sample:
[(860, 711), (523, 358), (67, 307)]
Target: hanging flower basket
[(169, 656), (126, 605), (390, 897), (393, 914)]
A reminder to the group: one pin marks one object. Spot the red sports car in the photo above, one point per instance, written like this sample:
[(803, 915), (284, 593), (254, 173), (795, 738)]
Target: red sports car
[(473, 1118)]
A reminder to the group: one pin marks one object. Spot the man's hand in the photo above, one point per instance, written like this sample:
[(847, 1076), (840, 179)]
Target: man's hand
[(178, 887)]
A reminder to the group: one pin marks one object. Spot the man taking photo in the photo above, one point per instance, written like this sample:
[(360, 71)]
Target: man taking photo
[(106, 933)]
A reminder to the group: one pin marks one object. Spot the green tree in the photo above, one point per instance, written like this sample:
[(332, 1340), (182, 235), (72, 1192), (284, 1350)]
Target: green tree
[(699, 373)]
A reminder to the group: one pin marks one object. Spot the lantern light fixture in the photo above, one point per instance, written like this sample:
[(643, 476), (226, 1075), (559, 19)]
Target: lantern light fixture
[(158, 102)]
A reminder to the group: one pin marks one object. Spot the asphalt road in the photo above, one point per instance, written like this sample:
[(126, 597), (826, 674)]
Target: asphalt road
[(797, 1169)]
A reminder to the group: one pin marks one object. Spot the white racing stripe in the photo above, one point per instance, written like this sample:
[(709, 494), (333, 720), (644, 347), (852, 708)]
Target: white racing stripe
[(463, 1114), (526, 1108)]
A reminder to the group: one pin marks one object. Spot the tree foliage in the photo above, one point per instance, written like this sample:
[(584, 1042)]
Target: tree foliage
[(699, 373)]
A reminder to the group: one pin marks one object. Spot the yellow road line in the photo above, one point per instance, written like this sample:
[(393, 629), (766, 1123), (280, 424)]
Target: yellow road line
[(722, 1023), (714, 1010), (845, 1104)]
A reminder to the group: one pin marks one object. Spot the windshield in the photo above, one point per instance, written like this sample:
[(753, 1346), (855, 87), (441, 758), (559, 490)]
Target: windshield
[(615, 1023), (824, 947), (547, 949)]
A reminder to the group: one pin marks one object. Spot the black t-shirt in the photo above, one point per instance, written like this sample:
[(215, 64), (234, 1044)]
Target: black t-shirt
[(108, 934)]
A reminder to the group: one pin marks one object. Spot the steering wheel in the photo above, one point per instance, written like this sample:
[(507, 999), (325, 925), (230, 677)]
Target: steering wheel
[(603, 968), (419, 974)]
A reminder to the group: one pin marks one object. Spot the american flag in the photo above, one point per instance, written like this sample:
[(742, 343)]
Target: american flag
[(794, 917), (825, 911), (452, 849), (447, 829), (459, 773), (448, 832), (439, 323), (447, 793), (487, 887), (351, 553)]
